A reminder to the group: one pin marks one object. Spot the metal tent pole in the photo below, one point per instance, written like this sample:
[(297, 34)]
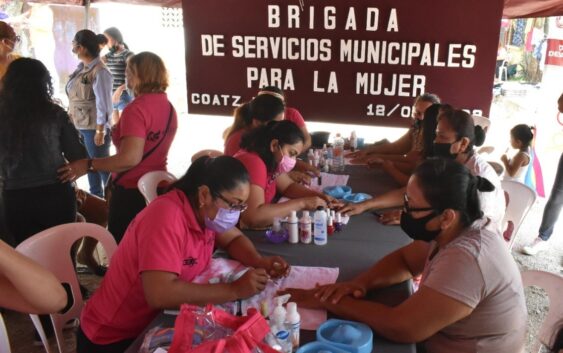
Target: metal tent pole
[(86, 14)]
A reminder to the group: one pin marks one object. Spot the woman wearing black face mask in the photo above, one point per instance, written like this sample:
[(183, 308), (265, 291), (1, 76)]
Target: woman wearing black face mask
[(471, 297), (456, 135)]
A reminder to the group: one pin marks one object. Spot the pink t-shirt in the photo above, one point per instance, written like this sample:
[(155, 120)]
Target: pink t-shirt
[(146, 117), (165, 236), (232, 145), (294, 116), (258, 173)]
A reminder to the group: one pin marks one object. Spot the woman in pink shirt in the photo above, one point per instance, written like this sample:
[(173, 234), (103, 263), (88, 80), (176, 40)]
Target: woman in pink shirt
[(269, 153), (169, 244), (257, 112), (142, 136), (290, 114)]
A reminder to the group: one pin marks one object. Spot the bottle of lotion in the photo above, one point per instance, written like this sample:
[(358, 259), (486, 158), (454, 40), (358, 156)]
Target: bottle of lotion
[(293, 228), (305, 228), (293, 320)]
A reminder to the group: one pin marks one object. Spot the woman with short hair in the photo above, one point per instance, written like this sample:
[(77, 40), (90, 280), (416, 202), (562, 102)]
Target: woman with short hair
[(142, 137)]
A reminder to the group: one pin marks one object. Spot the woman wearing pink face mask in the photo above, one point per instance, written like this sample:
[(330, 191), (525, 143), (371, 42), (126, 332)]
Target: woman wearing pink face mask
[(268, 153)]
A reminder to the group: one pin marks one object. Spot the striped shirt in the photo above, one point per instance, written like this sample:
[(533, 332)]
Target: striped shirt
[(116, 62)]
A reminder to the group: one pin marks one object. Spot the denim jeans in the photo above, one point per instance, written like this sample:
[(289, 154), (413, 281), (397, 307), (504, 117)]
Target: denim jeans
[(553, 205), (97, 180)]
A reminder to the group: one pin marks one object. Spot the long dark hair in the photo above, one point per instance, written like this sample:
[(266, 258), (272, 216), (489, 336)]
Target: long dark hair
[(26, 105), (264, 108), (219, 174), (446, 183), (462, 123), (258, 140), (429, 129)]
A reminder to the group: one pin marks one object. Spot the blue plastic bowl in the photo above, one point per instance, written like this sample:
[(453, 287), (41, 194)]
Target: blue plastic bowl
[(350, 336), (356, 198), (338, 191), (319, 347)]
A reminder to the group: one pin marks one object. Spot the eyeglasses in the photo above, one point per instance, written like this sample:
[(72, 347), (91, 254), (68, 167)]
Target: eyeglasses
[(241, 207), (408, 209)]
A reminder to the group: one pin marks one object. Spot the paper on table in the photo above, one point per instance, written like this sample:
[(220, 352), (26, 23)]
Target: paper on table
[(327, 180), (299, 277)]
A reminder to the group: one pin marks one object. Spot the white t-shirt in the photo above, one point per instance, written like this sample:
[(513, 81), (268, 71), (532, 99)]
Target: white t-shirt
[(493, 204), (477, 270)]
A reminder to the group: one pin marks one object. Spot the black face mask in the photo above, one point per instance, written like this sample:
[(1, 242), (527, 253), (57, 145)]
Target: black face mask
[(416, 227), (443, 150)]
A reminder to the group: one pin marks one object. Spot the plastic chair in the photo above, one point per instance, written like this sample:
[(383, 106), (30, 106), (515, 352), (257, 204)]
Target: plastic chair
[(51, 249), (4, 341), (149, 182), (520, 200), (482, 121), (553, 285)]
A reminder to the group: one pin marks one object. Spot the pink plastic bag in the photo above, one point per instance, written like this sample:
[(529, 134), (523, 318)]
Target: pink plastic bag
[(247, 332)]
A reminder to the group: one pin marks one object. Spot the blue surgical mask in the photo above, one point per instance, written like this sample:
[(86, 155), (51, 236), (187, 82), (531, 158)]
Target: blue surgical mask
[(224, 220)]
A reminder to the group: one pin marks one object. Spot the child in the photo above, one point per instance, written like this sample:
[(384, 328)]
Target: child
[(521, 137)]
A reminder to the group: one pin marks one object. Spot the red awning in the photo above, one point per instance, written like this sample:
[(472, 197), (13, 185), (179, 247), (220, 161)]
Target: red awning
[(512, 8)]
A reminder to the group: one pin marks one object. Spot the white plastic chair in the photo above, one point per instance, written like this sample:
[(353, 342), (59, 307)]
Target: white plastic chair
[(482, 121), (553, 285), (520, 199), (51, 249), (4, 341), (148, 183)]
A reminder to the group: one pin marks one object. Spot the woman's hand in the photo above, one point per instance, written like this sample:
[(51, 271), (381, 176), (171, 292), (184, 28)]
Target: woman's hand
[(305, 298), (311, 203), (73, 170), (300, 177), (252, 282), (353, 209), (334, 292), (99, 138), (390, 217), (357, 154), (388, 166), (504, 158), (116, 97), (275, 266), (332, 202)]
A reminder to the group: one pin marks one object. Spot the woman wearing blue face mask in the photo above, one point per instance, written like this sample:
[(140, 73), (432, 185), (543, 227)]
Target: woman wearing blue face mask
[(471, 298), (166, 246), (269, 153)]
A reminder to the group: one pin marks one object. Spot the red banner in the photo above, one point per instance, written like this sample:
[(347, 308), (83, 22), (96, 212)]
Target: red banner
[(554, 54), (359, 62)]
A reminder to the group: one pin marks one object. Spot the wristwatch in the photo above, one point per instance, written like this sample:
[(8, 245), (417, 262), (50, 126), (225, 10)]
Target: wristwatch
[(90, 165)]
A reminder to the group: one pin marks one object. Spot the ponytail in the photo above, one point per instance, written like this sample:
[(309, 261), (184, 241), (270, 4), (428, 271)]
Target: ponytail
[(524, 134), (447, 184), (243, 119)]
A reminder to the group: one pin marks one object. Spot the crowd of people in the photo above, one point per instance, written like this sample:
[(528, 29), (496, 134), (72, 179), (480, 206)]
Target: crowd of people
[(450, 202)]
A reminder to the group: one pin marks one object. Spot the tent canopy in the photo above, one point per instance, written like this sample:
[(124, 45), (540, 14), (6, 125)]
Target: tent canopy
[(512, 8)]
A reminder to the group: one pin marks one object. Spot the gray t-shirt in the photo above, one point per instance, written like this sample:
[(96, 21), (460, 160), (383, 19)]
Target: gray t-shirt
[(477, 269)]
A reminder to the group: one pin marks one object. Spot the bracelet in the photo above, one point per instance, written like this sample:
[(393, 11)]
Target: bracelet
[(90, 165), (100, 131)]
